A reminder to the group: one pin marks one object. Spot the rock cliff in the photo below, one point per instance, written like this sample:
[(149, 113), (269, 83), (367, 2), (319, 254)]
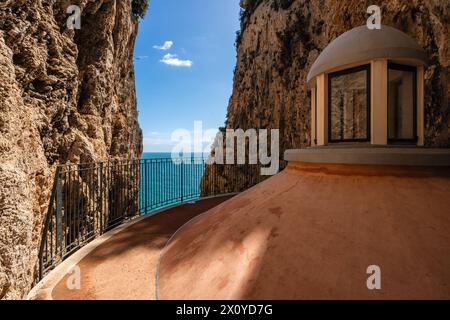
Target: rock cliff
[(65, 96), (280, 39)]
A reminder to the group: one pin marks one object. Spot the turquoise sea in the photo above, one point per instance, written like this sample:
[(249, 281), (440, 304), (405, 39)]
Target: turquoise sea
[(166, 182)]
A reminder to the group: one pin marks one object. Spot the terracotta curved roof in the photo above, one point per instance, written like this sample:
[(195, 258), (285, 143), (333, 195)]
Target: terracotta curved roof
[(312, 231), (361, 44)]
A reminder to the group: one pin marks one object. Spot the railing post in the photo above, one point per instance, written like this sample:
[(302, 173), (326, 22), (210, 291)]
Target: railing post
[(59, 214), (181, 180), (47, 222), (101, 198), (145, 186)]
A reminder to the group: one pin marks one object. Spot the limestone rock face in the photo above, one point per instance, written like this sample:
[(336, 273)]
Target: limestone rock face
[(65, 95), (280, 40)]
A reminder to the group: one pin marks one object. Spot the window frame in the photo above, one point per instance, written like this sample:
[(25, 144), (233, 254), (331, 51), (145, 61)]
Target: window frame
[(331, 76), (315, 115), (407, 68)]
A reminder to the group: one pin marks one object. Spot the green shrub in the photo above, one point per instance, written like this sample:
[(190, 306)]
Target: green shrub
[(139, 8)]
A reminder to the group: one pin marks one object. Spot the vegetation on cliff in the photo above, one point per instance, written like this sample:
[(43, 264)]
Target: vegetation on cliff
[(139, 8)]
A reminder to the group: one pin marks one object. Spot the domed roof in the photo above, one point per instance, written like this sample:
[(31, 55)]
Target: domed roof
[(362, 44), (311, 231)]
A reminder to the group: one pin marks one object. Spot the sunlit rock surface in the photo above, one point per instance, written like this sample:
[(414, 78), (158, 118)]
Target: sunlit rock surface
[(279, 41), (65, 95)]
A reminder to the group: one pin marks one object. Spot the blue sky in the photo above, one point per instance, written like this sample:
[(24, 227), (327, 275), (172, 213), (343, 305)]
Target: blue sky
[(184, 61)]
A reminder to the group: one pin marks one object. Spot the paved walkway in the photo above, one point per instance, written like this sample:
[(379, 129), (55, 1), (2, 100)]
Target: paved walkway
[(124, 266)]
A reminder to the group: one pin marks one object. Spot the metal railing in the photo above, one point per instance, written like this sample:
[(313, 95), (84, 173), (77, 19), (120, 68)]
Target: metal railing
[(87, 200)]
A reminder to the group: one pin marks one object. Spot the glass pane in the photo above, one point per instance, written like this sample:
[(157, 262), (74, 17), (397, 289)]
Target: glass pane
[(401, 105), (349, 106)]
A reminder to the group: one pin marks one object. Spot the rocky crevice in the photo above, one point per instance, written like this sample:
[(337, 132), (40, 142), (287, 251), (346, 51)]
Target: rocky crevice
[(65, 96)]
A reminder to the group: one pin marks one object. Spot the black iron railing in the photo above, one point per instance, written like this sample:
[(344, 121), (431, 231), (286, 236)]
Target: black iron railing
[(89, 199)]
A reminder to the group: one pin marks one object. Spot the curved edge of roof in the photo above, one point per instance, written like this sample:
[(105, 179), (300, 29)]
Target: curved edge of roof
[(352, 47), (393, 156)]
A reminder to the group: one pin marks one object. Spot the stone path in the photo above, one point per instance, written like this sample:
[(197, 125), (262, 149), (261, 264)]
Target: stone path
[(124, 266)]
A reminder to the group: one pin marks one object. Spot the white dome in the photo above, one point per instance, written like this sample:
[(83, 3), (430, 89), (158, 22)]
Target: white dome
[(362, 44)]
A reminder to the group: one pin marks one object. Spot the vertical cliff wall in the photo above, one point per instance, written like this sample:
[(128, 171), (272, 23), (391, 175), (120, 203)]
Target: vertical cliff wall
[(65, 95), (280, 39)]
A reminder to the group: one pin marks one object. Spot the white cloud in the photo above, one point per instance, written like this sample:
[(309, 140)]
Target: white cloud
[(166, 46), (172, 60)]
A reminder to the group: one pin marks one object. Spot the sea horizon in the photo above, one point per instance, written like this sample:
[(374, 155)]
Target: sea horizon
[(168, 155)]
